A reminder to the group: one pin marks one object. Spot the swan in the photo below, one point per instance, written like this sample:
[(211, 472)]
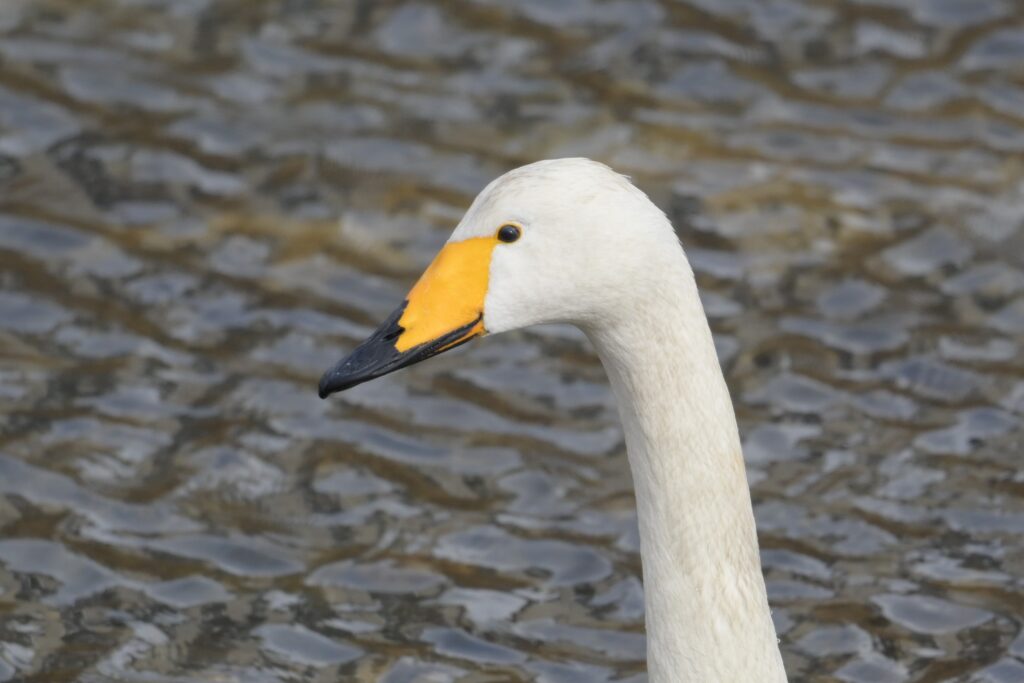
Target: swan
[(572, 241)]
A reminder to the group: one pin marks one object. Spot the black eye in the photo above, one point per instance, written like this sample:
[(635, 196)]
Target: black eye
[(509, 233)]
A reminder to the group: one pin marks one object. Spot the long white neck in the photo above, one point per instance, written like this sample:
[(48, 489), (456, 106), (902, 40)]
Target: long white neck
[(706, 609)]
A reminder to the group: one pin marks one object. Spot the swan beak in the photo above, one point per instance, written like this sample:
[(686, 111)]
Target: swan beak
[(443, 310)]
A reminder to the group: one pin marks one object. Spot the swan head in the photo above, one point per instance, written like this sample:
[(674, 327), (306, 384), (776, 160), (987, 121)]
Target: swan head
[(562, 240)]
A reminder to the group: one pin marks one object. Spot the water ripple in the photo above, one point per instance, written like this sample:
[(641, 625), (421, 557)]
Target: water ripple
[(202, 206)]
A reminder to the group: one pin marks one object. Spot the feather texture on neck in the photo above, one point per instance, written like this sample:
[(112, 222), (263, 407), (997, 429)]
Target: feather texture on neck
[(706, 608)]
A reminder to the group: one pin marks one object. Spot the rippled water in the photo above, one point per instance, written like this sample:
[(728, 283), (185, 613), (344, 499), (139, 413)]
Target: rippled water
[(204, 204)]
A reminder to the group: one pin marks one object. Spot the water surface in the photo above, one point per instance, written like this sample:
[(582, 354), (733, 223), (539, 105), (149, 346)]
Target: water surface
[(204, 204)]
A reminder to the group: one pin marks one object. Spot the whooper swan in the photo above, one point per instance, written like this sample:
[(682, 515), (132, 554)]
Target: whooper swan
[(571, 241)]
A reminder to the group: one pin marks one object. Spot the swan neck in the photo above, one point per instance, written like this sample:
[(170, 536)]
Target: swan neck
[(707, 614)]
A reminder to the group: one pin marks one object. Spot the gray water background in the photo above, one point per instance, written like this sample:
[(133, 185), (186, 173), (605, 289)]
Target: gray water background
[(204, 204)]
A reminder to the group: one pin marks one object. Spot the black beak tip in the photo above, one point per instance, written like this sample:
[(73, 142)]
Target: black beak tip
[(374, 357), (378, 356), (336, 379)]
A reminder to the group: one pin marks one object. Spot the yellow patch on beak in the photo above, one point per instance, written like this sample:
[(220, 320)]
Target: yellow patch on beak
[(449, 295), (444, 309)]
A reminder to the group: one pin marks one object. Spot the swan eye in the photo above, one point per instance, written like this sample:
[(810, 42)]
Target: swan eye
[(509, 233)]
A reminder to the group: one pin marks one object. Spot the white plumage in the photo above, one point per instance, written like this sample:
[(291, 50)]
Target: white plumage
[(598, 254), (582, 245)]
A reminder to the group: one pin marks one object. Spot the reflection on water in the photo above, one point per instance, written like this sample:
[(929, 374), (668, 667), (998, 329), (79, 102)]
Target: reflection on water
[(177, 505)]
